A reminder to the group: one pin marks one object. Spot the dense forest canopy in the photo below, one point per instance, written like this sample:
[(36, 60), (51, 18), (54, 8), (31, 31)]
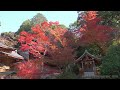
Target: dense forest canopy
[(55, 44)]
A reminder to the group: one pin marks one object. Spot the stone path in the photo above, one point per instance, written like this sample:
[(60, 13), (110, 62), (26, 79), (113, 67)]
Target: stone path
[(88, 75)]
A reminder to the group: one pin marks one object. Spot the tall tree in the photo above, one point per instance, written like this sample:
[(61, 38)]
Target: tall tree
[(94, 33), (110, 18), (38, 19), (78, 23), (26, 25), (73, 26), (48, 38), (42, 41), (80, 20)]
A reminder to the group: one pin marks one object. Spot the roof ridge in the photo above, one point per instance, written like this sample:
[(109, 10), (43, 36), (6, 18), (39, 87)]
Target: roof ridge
[(86, 52), (12, 55)]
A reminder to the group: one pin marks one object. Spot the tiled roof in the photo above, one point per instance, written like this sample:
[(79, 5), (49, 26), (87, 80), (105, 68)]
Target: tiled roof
[(13, 54), (5, 46), (87, 53)]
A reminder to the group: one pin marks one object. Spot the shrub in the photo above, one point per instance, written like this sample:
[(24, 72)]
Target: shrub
[(111, 62), (70, 72), (29, 69)]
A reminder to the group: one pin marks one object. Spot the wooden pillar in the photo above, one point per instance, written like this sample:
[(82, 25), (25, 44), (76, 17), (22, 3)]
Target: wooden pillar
[(94, 68), (81, 69), (82, 64)]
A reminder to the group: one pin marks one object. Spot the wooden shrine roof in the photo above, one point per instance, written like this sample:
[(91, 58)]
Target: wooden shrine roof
[(9, 58), (87, 53), (13, 54), (8, 54), (6, 47)]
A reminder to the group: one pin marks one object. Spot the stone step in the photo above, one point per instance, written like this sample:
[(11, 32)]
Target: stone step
[(89, 74)]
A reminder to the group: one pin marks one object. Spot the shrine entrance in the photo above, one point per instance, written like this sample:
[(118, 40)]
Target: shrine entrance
[(87, 63), (88, 66)]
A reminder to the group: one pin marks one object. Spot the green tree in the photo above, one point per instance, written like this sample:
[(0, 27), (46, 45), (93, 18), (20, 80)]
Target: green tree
[(73, 26), (94, 49), (63, 26), (38, 19), (111, 62), (79, 21), (111, 18), (27, 24)]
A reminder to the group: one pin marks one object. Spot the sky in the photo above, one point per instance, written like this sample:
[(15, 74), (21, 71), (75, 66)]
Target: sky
[(11, 20)]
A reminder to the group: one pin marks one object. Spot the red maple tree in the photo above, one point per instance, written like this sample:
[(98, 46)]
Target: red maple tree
[(47, 38), (94, 33), (60, 57), (35, 42), (29, 69)]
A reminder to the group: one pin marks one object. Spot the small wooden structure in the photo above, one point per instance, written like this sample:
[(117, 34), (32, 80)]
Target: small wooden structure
[(87, 63)]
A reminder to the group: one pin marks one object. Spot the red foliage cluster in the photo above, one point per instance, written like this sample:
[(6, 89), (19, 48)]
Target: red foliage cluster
[(49, 38), (92, 31), (37, 41), (29, 69), (90, 15), (61, 56), (34, 42)]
